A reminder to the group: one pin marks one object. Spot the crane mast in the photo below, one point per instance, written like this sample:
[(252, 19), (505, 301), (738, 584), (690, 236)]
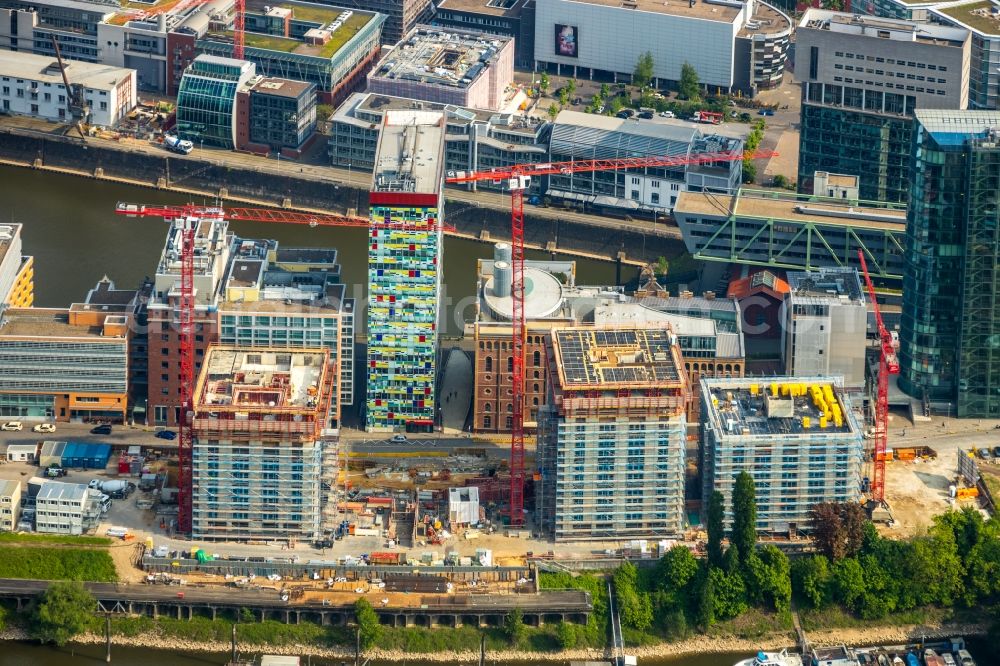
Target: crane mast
[(888, 364)]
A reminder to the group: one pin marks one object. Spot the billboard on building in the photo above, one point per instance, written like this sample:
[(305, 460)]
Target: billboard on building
[(567, 40)]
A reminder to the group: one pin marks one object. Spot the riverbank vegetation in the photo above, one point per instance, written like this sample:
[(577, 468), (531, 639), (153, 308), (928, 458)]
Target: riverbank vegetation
[(56, 563), (740, 589)]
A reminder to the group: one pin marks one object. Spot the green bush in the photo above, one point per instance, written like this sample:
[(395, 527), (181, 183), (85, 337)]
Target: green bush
[(57, 564)]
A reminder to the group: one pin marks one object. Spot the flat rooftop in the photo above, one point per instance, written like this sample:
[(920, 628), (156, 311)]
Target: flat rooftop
[(750, 407), (878, 27), (442, 57), (55, 491), (510, 8), (371, 104), (766, 20), (266, 379), (281, 88), (827, 283), (46, 70), (713, 10), (325, 256), (410, 153), (982, 17), (610, 358), (9, 486), (44, 323), (292, 299), (793, 207)]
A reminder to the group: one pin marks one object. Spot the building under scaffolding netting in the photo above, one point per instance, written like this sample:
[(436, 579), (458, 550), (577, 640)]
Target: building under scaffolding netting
[(332, 47), (798, 437), (611, 435)]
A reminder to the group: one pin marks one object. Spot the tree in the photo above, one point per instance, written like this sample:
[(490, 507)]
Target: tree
[(811, 578), (368, 623), (62, 612), (705, 616), (838, 528), (570, 87), (566, 634), (779, 181), (553, 111), (676, 569), (729, 592), (849, 582), (605, 90), (635, 606), (773, 577), (514, 627), (744, 535), (642, 75), (833, 5), (662, 265), (543, 82), (716, 513), (689, 86)]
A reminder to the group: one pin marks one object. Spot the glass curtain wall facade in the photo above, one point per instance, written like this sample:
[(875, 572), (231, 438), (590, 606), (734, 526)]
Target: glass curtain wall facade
[(404, 281), (206, 100), (946, 356)]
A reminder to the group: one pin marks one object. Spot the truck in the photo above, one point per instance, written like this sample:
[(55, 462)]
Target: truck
[(710, 117), (175, 144)]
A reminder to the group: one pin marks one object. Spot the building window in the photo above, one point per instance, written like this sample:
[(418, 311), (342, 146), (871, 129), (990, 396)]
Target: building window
[(489, 364), (813, 62), (538, 358)]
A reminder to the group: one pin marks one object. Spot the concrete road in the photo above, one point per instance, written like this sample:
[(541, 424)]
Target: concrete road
[(80, 432)]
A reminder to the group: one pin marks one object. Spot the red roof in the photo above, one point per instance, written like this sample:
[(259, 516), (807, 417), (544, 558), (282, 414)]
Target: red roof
[(765, 281)]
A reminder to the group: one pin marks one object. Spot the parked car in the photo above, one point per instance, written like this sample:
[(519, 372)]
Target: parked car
[(103, 429), (625, 114), (577, 101), (398, 439), (731, 102), (765, 112), (984, 453), (600, 109), (646, 115), (166, 434), (667, 114), (996, 452), (55, 472), (44, 427), (12, 426)]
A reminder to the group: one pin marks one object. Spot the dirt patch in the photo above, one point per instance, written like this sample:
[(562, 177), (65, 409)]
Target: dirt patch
[(916, 492), (124, 556)]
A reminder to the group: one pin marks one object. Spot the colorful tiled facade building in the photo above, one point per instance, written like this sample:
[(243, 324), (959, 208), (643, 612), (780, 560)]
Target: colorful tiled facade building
[(404, 278)]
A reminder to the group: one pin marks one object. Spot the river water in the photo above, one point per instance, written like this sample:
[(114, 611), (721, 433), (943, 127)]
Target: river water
[(75, 236)]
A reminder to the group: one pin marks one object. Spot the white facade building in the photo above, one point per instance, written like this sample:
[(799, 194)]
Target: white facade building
[(32, 85), (10, 505), (730, 43), (825, 320), (67, 508)]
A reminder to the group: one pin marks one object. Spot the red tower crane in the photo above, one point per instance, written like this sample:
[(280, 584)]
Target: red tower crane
[(518, 179), (239, 18), (888, 364), (189, 218)]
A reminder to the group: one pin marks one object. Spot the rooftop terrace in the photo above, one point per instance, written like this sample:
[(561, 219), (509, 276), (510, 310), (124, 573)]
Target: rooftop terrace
[(487, 7), (323, 16), (442, 57), (827, 283), (783, 407), (982, 17), (267, 379)]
